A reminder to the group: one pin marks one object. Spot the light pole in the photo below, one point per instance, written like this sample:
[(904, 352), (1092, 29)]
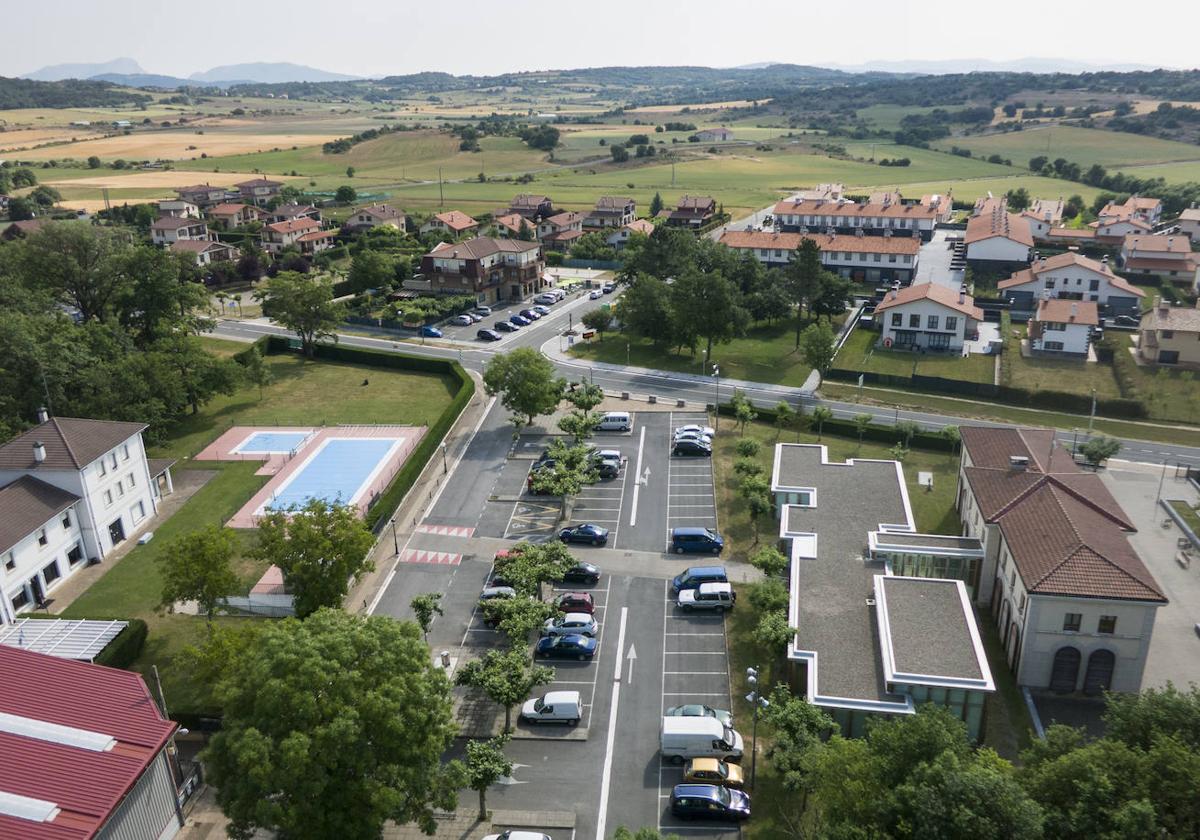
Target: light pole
[(445, 466), (395, 539), (758, 702), (716, 375)]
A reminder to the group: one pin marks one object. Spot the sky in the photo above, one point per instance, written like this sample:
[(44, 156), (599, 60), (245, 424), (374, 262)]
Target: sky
[(381, 37)]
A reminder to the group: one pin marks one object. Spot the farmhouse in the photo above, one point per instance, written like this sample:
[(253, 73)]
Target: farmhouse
[(869, 259), (559, 232), (996, 237), (72, 490), (303, 233), (714, 135), (204, 251), (532, 207), (87, 753), (1168, 257), (1170, 335), (866, 589), (376, 215), (611, 212), (1071, 276), (693, 211), (1063, 327), (491, 269), (1074, 604), (844, 216), (620, 238), (451, 222), (258, 190), (927, 316), (230, 216), (203, 195), (168, 229)]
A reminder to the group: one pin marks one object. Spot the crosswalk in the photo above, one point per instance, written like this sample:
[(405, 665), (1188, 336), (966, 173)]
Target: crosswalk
[(443, 558), (446, 530)]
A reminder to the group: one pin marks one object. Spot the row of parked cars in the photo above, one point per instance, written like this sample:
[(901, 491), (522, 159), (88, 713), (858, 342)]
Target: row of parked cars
[(538, 310), (692, 440)]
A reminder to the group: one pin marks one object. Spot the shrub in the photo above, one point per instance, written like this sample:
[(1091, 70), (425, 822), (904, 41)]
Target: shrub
[(124, 650)]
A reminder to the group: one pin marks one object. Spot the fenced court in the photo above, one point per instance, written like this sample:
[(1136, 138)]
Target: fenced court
[(350, 465)]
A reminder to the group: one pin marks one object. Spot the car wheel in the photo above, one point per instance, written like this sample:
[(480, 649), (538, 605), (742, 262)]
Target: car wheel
[(679, 550), (563, 539), (597, 542), (677, 760), (716, 551), (573, 722), (593, 580), (582, 657)]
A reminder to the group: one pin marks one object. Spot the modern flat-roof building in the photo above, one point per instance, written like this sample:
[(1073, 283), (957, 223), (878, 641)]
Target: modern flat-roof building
[(879, 630)]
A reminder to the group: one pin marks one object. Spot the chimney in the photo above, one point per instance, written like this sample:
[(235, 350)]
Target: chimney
[(962, 297), (1018, 463), (42, 414), (39, 451), (1074, 311), (1162, 305)]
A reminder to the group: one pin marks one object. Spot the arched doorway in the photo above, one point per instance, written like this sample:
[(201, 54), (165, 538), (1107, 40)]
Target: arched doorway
[(1064, 676), (1099, 673)]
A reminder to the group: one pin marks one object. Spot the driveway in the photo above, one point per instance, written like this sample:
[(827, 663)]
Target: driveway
[(933, 263)]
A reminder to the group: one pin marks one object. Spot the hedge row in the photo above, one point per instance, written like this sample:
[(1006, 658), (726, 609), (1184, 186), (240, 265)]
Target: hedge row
[(124, 650), (932, 441), (403, 481)]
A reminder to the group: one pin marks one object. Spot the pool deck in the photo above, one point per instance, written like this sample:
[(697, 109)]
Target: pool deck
[(281, 466)]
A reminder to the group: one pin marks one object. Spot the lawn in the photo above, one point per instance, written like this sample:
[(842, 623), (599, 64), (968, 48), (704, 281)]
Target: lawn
[(1170, 395), (859, 353), (1085, 146), (1049, 374), (765, 354), (1187, 513)]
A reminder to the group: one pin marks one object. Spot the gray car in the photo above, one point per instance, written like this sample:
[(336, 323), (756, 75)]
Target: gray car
[(580, 624)]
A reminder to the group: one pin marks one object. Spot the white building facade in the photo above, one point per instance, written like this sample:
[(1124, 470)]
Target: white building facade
[(41, 543)]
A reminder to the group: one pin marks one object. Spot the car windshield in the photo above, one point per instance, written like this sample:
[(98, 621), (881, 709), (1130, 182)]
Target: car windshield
[(723, 796), (539, 704), (722, 768)]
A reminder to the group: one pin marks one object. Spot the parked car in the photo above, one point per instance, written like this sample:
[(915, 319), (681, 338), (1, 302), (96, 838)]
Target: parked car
[(520, 320), (608, 288), (713, 771), (512, 834), (531, 315), (692, 577), (474, 316), (711, 597), (587, 533), (707, 431), (488, 335), (608, 468), (709, 802), (431, 332), (615, 421), (575, 602), (697, 436), (1127, 321), (546, 299), (565, 647), (582, 573), (580, 624), (701, 710), (682, 738), (494, 592), (691, 447), (483, 310), (595, 294), (693, 540), (553, 707), (462, 320), (505, 326), (541, 310)]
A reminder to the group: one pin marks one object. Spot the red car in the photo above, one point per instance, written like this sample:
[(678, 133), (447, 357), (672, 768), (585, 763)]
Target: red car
[(575, 602)]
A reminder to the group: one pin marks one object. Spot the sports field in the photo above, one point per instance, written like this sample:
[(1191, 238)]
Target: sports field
[(1085, 146)]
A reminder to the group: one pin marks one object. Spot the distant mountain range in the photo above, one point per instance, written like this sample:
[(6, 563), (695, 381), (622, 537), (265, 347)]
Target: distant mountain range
[(126, 71)]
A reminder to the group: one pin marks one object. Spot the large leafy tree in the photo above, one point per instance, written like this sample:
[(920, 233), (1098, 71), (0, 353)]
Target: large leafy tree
[(526, 383), (371, 270), (332, 727), (805, 278), (199, 567), (506, 677), (572, 470), (304, 305), (81, 264), (201, 374), (528, 565), (817, 346), (161, 299), (486, 765), (645, 308), (319, 547), (709, 305)]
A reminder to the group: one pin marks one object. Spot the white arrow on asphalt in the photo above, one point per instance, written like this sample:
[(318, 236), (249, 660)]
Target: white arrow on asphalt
[(509, 780), (645, 479), (632, 657)]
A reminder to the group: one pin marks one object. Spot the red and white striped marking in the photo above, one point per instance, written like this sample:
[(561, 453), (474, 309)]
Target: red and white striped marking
[(444, 558), (446, 530)]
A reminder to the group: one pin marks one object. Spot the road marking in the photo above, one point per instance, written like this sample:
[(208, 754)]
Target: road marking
[(694, 694), (606, 779), (695, 653), (695, 673), (694, 634), (662, 693), (636, 484), (632, 657)]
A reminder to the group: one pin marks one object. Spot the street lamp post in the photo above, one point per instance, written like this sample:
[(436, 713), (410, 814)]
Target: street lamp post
[(716, 375), (395, 539), (755, 699), (445, 466)]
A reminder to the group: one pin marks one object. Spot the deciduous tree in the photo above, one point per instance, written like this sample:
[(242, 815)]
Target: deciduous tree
[(597, 319), (425, 607), (526, 383), (199, 567), (817, 346), (820, 415), (486, 765), (506, 677), (304, 305)]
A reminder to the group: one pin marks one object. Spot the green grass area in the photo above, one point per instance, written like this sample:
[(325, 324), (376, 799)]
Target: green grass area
[(1187, 513), (766, 353), (1172, 173), (1170, 394), (979, 410), (859, 353), (1072, 376), (1085, 146), (887, 117)]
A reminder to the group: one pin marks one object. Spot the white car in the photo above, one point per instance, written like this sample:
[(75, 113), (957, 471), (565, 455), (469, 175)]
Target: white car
[(541, 310), (596, 294), (546, 299), (517, 835), (707, 431), (705, 439), (579, 624), (462, 320)]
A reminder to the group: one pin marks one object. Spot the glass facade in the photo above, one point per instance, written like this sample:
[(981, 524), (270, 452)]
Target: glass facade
[(913, 564), (966, 705)]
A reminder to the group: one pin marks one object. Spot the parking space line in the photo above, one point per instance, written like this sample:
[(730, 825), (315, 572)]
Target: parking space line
[(663, 690), (694, 694), (695, 653), (695, 634), (606, 776), (694, 673)]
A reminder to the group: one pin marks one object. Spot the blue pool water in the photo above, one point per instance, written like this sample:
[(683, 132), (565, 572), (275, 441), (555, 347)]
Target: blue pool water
[(272, 442), (335, 473)]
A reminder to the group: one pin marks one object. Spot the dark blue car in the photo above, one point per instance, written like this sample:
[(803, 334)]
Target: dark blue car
[(565, 647), (587, 534), (431, 332), (709, 802), (582, 573), (520, 321)]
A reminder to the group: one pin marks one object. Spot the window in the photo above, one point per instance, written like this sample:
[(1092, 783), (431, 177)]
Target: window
[(66, 519), (10, 562), (1094, 286), (51, 573), (1021, 608), (112, 459), (908, 259), (75, 555), (125, 451), (42, 539), (103, 467), (897, 319), (120, 488), (1054, 327), (1072, 622), (108, 497), (1094, 298), (139, 512), (932, 322), (1053, 345), (1107, 624), (877, 257), (1050, 282), (20, 600), (130, 481), (1168, 333), (914, 321), (891, 257)]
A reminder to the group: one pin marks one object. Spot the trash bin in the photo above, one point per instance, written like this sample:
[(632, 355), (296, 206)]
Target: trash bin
[(445, 657)]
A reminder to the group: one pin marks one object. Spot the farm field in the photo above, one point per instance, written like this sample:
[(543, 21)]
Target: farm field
[(29, 137), (887, 117), (1172, 173), (184, 144), (1085, 146)]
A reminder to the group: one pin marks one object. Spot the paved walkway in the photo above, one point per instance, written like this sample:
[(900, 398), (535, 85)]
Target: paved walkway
[(933, 262)]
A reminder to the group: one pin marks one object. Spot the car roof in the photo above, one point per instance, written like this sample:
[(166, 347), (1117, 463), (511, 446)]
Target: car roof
[(716, 587), (691, 530), (707, 791), (580, 616), (705, 764), (704, 570), (553, 697)]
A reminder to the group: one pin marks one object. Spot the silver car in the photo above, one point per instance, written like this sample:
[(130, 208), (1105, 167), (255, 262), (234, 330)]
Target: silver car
[(701, 430), (705, 439), (580, 624)]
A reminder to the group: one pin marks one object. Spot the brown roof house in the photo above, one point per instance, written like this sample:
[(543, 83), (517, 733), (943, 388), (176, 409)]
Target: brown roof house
[(204, 251), (493, 270), (532, 207), (997, 237), (619, 238), (451, 222), (258, 191), (693, 211), (287, 212), (1168, 257), (611, 212), (840, 215), (870, 259), (168, 229), (560, 231), (1170, 335), (204, 195), (303, 233), (233, 215), (927, 316), (1063, 327), (374, 216), (510, 225), (1072, 276), (1073, 602)]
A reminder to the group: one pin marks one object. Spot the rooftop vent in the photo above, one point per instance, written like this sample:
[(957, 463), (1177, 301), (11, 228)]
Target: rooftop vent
[(43, 414), (1018, 463), (39, 451)]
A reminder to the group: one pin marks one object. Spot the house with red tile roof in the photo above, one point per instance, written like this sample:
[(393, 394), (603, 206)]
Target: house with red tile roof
[(840, 215), (995, 236), (1063, 327), (1166, 256), (1072, 276), (258, 191), (493, 270), (280, 235), (87, 754), (366, 218), (560, 231), (927, 316), (866, 259), (452, 222), (1170, 335), (619, 238), (1073, 602), (233, 214)]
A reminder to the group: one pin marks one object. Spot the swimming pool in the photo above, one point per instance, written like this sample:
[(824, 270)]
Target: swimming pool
[(271, 443), (337, 471)]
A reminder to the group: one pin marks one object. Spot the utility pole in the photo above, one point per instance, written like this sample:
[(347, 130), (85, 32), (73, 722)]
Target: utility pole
[(716, 375), (441, 196), (755, 699)]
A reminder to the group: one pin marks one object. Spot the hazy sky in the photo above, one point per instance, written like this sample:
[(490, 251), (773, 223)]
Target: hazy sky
[(378, 37)]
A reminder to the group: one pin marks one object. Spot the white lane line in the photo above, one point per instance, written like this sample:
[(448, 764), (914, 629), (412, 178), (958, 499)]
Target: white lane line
[(695, 673), (695, 653), (695, 694), (637, 474), (663, 697), (606, 779), (696, 634)]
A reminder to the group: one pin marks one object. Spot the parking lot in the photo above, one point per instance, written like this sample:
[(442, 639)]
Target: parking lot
[(691, 498)]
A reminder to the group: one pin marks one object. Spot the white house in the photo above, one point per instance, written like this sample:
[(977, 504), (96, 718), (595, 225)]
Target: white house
[(844, 216), (928, 316), (1063, 327), (1071, 276), (867, 259), (996, 236), (1043, 215), (366, 218), (41, 544), (1168, 257), (178, 207), (1189, 223), (103, 478), (204, 252), (1074, 604), (166, 230), (258, 191), (452, 222), (620, 238), (612, 212)]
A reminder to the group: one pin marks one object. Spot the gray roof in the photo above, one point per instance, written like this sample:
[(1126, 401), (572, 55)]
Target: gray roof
[(82, 639), (928, 629), (939, 541), (26, 505), (71, 443)]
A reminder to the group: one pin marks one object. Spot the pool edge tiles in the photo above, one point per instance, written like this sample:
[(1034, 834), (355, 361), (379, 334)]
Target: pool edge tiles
[(386, 458), (300, 436)]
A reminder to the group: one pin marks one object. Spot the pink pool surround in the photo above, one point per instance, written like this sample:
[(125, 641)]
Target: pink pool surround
[(284, 466)]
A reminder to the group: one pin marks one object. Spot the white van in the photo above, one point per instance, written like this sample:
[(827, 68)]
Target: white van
[(698, 737), (615, 421), (553, 707)]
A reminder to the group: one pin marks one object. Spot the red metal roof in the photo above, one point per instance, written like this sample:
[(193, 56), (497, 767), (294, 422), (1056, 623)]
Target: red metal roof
[(86, 785)]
